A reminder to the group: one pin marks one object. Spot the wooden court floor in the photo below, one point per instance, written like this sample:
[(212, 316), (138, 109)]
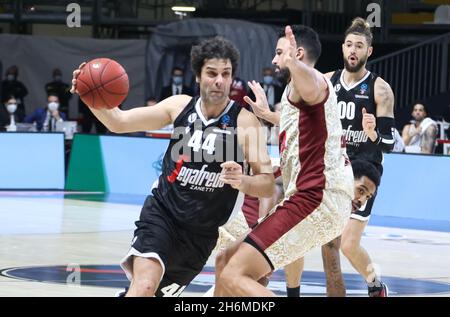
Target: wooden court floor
[(70, 244)]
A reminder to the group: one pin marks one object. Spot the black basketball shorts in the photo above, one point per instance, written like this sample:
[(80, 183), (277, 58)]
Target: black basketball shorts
[(181, 252)]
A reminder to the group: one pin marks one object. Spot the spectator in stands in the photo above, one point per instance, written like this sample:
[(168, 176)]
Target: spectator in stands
[(12, 87), (271, 88), (61, 89), (87, 119), (46, 117), (420, 135), (238, 91), (9, 114), (177, 86)]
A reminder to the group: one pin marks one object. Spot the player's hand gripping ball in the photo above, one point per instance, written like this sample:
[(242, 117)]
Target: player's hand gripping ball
[(101, 83)]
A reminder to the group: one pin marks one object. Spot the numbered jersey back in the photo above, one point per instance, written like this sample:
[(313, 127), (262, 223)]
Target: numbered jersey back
[(351, 101), (189, 186)]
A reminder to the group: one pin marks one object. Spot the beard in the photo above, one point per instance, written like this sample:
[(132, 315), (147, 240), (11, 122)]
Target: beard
[(357, 67), (283, 75)]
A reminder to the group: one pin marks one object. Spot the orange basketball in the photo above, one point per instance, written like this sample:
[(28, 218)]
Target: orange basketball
[(102, 83)]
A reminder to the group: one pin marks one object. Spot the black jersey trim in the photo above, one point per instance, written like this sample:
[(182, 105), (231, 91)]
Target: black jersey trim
[(177, 122)]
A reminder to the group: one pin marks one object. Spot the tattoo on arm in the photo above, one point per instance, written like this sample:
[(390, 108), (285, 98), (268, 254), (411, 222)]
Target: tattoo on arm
[(385, 100), (428, 140)]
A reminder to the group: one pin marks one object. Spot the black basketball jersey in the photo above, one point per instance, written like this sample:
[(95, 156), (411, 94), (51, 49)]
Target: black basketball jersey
[(189, 187), (351, 101)]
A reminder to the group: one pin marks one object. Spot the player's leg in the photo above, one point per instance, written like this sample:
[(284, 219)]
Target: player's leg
[(146, 262), (221, 260), (233, 233), (352, 249), (187, 258), (240, 276), (281, 238), (293, 273), (147, 273), (332, 267), (357, 255)]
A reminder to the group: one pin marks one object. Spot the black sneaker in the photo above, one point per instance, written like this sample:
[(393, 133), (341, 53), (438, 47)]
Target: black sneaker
[(381, 291)]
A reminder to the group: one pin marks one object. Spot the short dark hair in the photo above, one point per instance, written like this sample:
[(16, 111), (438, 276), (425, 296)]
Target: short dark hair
[(306, 38), (8, 97), (54, 94), (177, 68), (360, 26), (217, 47), (420, 102), (363, 168)]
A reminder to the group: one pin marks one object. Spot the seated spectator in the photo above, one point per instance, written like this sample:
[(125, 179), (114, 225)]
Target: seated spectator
[(9, 114), (177, 86), (46, 117), (11, 86), (271, 88), (59, 88), (420, 135)]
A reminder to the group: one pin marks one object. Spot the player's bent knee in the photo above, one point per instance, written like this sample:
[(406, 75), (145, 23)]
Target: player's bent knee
[(221, 260), (229, 278), (145, 287), (349, 247)]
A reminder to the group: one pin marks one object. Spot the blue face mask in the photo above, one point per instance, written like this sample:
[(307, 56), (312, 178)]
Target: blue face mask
[(268, 80), (177, 80)]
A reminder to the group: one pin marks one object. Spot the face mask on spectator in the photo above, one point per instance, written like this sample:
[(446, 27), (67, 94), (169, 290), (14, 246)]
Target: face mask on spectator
[(177, 80), (52, 106), (57, 78), (10, 77), (268, 80), (12, 107)]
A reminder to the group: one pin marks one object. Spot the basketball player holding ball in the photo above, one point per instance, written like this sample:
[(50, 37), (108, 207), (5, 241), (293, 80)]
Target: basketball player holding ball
[(200, 181)]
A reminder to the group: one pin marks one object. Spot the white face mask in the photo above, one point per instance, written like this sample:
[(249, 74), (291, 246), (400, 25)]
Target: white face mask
[(52, 106), (12, 107)]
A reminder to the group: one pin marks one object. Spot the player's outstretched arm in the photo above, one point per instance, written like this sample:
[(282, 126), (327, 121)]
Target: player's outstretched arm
[(309, 85), (140, 118)]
